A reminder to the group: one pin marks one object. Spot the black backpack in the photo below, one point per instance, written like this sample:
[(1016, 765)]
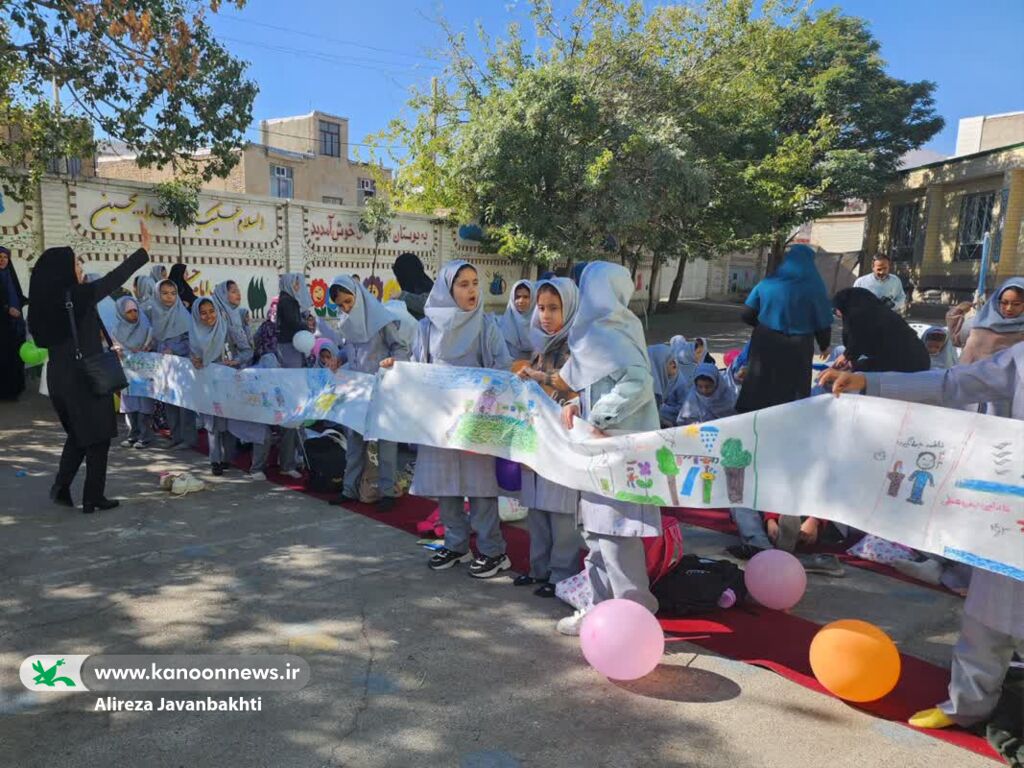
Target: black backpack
[(696, 584), (325, 456)]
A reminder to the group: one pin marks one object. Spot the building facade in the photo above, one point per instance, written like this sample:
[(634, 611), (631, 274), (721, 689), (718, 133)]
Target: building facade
[(300, 158), (933, 219)]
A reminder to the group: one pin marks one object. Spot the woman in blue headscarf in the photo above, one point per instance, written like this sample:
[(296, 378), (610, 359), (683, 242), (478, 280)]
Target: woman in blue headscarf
[(789, 311)]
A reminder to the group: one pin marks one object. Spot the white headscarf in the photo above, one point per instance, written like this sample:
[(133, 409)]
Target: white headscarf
[(605, 336), (717, 405), (132, 336), (991, 318), (145, 286), (515, 327), (946, 356), (540, 340), (685, 353), (168, 322), (294, 284), (204, 341), (660, 355), (368, 315), (454, 330)]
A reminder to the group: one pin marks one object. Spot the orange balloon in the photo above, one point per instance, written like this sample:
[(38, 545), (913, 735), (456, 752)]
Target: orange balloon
[(855, 660)]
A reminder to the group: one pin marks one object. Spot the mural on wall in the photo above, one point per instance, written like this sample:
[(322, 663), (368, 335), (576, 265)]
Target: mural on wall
[(256, 294), (325, 228)]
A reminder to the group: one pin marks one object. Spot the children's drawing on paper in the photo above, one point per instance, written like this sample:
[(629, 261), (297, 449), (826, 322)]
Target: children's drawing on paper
[(1002, 457), (497, 418), (639, 477), (735, 461), (669, 467), (922, 476), (895, 478)]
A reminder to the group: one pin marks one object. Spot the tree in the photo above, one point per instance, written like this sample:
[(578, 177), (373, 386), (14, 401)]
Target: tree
[(376, 219), (796, 109), (146, 72), (179, 203)]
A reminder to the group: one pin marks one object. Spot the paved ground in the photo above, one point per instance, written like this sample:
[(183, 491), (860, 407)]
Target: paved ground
[(409, 668)]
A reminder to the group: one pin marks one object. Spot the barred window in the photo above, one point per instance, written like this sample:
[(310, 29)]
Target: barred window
[(903, 229), (282, 182), (975, 222)]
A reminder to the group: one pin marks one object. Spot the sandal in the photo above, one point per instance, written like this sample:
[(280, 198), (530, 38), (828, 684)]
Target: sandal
[(545, 590)]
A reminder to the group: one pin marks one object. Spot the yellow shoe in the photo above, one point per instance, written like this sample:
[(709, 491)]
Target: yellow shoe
[(931, 718)]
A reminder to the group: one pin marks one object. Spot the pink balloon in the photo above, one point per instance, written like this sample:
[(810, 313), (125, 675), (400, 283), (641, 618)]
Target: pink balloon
[(775, 579), (621, 639)]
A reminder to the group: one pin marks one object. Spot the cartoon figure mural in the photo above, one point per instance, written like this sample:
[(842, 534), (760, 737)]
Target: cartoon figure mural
[(922, 477), (735, 461), (318, 294), (375, 286), (895, 477)]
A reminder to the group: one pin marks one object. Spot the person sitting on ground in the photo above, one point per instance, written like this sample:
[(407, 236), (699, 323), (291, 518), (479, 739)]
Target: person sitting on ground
[(710, 398), (940, 347)]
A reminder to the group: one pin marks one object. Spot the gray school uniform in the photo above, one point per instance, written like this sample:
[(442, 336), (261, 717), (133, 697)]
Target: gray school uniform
[(218, 427), (366, 358), (448, 472), (616, 563), (993, 621), (180, 421)]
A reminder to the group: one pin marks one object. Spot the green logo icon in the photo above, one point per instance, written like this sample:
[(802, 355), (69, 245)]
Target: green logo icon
[(49, 676)]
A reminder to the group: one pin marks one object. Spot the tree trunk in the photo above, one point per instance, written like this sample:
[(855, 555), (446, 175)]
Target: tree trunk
[(759, 265), (677, 284), (652, 299), (181, 252), (775, 256)]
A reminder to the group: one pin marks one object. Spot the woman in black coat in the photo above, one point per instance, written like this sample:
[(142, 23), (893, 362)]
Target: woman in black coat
[(414, 282), (12, 329), (88, 419), (873, 331)]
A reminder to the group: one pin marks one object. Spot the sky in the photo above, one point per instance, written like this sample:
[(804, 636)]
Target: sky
[(359, 59)]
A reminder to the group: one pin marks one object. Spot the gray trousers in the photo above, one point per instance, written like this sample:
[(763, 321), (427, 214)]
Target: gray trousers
[(140, 428), (182, 423), (261, 453), (617, 567), (483, 519), (750, 527), (219, 450), (554, 545), (355, 463), (981, 658), (287, 457)]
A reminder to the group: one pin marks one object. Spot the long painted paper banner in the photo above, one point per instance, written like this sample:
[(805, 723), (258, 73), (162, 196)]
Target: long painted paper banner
[(284, 396), (939, 480)]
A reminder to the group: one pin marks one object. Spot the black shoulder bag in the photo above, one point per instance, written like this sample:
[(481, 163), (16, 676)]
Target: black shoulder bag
[(103, 370)]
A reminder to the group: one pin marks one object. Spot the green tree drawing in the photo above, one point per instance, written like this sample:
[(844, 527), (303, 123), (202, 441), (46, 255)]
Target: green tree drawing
[(668, 467)]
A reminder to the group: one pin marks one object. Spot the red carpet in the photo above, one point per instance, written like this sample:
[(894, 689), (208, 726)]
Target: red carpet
[(771, 639), (719, 520)]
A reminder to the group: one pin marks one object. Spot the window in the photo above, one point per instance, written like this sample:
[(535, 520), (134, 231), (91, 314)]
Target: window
[(282, 181), (903, 228), (69, 166), (332, 200), (366, 188), (330, 139), (975, 222)]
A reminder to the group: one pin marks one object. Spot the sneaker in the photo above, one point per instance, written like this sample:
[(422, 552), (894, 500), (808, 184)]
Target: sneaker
[(570, 625), (217, 470), (486, 567), (140, 444), (257, 475), (126, 443), (445, 558), (293, 473), (826, 565)]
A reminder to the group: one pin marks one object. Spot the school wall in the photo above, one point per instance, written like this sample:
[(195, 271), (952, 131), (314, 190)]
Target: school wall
[(247, 238)]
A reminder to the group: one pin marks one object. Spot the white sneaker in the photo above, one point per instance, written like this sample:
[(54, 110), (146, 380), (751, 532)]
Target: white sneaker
[(139, 444), (126, 443), (570, 625), (293, 473), (257, 475)]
